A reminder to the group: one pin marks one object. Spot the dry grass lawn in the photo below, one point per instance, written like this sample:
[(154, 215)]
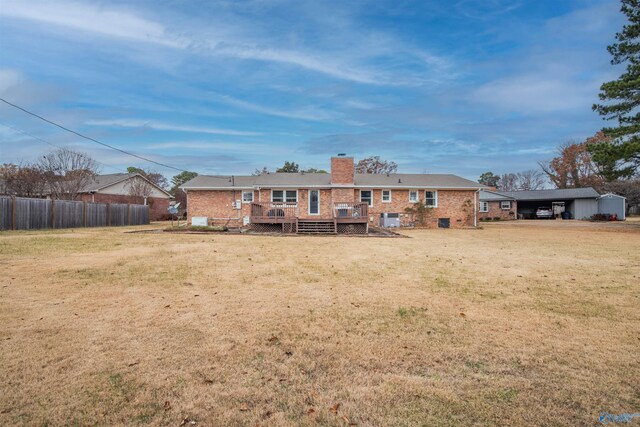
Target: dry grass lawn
[(529, 323)]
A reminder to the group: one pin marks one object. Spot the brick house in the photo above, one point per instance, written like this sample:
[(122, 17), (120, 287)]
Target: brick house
[(340, 201), (116, 188), (496, 205)]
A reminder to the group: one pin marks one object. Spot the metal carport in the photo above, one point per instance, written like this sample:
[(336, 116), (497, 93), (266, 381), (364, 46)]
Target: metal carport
[(580, 202)]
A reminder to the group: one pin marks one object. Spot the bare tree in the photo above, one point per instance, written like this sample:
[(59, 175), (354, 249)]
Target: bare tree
[(23, 180), (376, 165), (140, 189), (67, 172), (508, 182), (155, 177), (259, 172), (530, 180)]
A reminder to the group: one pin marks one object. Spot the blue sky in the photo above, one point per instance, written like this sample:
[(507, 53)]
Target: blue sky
[(224, 87)]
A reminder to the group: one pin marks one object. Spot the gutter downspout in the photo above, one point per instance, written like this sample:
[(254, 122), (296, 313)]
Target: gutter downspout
[(233, 194), (475, 208)]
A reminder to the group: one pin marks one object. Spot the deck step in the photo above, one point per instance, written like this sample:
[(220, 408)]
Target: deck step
[(319, 227)]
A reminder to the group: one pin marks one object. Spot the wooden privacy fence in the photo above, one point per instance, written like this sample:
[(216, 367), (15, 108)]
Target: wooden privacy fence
[(19, 213)]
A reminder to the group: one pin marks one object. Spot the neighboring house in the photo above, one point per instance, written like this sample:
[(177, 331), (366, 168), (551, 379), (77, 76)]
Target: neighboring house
[(496, 205), (580, 202), (340, 201), (121, 188)]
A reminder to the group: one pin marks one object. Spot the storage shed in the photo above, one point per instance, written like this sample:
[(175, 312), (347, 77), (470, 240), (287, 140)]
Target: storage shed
[(612, 204)]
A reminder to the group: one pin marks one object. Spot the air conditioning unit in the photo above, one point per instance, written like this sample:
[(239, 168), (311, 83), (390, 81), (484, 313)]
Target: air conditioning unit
[(199, 221), (390, 220)]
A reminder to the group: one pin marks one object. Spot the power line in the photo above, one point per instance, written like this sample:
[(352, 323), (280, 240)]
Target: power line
[(52, 144), (89, 138)]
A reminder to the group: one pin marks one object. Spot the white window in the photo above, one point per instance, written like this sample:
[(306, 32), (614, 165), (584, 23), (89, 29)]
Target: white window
[(484, 206), (413, 196), (431, 199), (289, 196), (505, 205), (247, 196), (366, 196), (386, 196)]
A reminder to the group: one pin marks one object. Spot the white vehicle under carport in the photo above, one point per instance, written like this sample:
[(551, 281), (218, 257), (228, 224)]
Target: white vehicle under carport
[(544, 212)]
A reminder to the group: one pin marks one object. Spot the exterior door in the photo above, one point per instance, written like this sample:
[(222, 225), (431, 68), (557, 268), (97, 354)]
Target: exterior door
[(314, 202)]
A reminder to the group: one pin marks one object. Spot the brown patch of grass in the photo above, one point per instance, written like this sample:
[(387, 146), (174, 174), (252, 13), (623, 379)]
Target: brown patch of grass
[(515, 324)]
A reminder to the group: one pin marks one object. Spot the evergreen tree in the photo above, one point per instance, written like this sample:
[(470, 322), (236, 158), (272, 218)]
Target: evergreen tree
[(489, 179), (621, 158), (180, 179), (289, 167)]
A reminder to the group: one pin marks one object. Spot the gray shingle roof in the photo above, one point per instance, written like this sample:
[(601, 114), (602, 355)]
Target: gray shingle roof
[(302, 180), (558, 194), (102, 181), (203, 182), (414, 180), (493, 196)]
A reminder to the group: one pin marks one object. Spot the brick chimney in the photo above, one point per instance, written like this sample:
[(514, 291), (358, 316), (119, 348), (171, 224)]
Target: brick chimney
[(342, 170)]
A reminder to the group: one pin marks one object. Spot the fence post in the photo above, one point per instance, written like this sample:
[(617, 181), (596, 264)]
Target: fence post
[(84, 213), (128, 214), (108, 214), (53, 213), (14, 211)]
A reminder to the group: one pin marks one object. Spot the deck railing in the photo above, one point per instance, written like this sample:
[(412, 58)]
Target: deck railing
[(274, 210), (350, 210), (280, 211)]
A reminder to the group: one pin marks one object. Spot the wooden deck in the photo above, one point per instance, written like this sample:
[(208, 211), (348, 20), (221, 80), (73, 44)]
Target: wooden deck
[(288, 214), (278, 213), (274, 213)]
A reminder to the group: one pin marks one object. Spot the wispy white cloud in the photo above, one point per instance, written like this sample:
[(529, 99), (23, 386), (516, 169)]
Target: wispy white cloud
[(486, 9), (220, 146), (350, 63), (359, 105), (535, 150), (314, 62), (92, 18), (16, 86), (560, 72), (305, 113), (9, 79), (537, 93), (157, 125)]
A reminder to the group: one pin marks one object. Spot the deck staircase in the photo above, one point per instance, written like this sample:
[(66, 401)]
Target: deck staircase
[(316, 227)]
